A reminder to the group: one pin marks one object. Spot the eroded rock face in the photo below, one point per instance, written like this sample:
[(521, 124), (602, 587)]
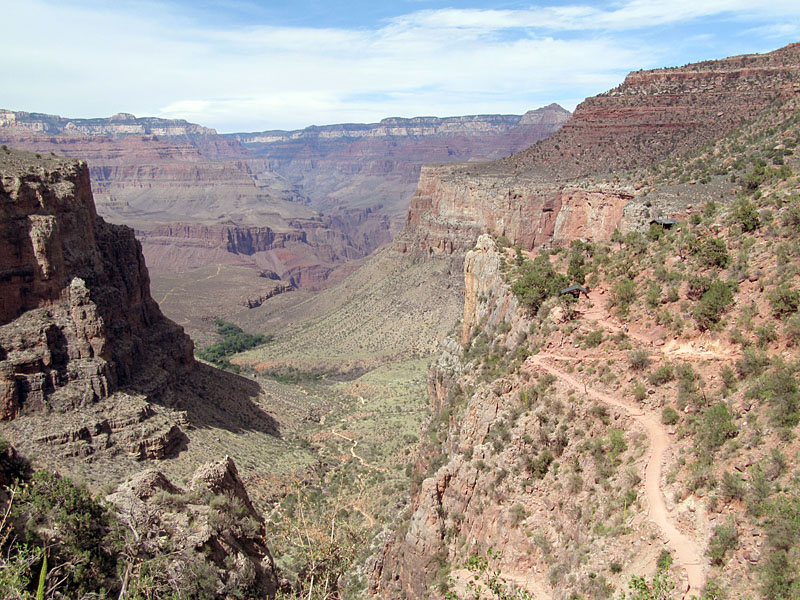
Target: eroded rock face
[(77, 321), (551, 193)]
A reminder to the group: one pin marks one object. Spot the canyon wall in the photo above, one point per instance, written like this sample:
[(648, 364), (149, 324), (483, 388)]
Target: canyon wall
[(480, 478), (338, 192), (570, 185), (80, 335), (379, 163)]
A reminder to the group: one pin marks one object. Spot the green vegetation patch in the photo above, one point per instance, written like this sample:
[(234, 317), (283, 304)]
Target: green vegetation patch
[(234, 340)]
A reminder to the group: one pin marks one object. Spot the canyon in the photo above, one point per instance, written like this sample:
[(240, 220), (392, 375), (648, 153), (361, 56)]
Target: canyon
[(574, 443)]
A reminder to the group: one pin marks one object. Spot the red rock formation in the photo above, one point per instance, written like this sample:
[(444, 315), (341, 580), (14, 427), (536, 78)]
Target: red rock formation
[(543, 195), (76, 319)]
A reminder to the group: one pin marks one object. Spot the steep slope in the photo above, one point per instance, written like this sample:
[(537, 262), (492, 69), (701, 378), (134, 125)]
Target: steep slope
[(644, 429)]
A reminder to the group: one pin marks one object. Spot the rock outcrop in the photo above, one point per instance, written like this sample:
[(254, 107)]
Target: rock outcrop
[(568, 186), (213, 521), (78, 326)]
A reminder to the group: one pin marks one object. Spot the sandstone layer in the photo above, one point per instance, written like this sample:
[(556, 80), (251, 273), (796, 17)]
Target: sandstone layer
[(568, 186)]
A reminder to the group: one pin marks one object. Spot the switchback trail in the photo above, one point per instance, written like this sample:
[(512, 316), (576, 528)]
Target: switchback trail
[(688, 554)]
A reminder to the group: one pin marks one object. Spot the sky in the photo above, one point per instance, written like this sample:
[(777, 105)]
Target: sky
[(255, 65)]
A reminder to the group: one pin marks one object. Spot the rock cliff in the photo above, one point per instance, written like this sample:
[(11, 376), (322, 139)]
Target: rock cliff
[(78, 326), (568, 186), (534, 447)]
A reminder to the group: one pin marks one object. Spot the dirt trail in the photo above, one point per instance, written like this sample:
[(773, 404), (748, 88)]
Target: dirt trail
[(353, 452), (688, 554), (600, 314)]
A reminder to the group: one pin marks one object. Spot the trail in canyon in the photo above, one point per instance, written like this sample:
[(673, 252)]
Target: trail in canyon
[(688, 554)]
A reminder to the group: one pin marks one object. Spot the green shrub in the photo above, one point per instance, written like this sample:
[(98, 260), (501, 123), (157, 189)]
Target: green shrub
[(541, 464), (639, 391), (669, 416), (537, 281), (593, 339), (714, 301), (639, 359), (518, 514), (724, 539), (664, 560), (622, 295), (746, 215), (732, 487), (784, 300), (663, 374), (715, 427), (780, 388), (791, 331), (765, 334), (751, 363), (712, 252)]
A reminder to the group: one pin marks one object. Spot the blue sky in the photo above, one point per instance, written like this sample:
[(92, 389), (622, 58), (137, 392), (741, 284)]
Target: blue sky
[(251, 65)]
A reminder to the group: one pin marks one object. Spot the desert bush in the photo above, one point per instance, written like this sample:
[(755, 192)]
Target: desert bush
[(780, 388), (639, 391), (751, 363), (518, 514), (714, 301), (746, 215), (663, 374), (536, 282), (639, 359), (791, 331), (669, 416), (622, 295), (784, 300), (712, 252), (540, 465), (724, 539), (765, 334), (593, 339), (715, 427), (731, 487), (664, 560)]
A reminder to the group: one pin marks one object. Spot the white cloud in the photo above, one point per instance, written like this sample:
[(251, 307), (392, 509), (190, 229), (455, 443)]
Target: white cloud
[(87, 60)]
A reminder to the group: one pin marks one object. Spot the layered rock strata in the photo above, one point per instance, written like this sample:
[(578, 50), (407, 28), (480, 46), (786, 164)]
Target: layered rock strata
[(77, 322), (568, 186)]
